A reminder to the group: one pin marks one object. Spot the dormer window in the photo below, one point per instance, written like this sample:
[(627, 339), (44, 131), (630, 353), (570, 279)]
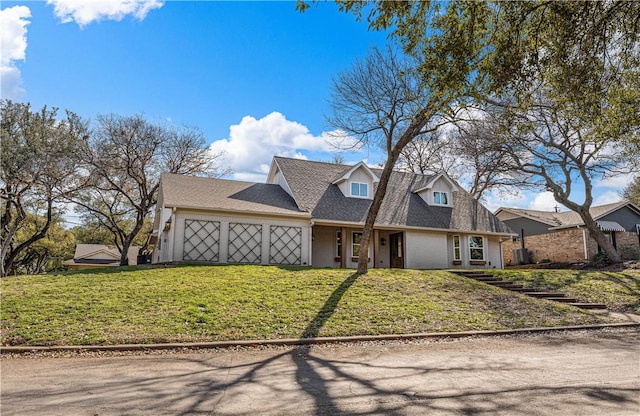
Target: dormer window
[(438, 191), (357, 182), (440, 198), (359, 189)]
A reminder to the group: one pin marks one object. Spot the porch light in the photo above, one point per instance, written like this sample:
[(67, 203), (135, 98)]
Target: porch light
[(383, 241)]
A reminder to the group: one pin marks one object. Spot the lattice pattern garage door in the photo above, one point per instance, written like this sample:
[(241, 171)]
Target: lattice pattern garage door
[(201, 240), (285, 245), (245, 243)]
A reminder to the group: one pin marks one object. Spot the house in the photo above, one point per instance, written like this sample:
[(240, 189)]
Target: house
[(561, 236), (90, 256), (313, 213)]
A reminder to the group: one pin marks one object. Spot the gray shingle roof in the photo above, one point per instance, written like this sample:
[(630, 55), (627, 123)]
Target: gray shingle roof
[(566, 218), (210, 194), (311, 185)]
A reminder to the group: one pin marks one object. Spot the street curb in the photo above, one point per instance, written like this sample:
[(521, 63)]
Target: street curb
[(303, 341)]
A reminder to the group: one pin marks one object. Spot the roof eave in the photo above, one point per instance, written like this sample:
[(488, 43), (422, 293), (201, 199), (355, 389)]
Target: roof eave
[(452, 184), (301, 214), (347, 175), (408, 227)]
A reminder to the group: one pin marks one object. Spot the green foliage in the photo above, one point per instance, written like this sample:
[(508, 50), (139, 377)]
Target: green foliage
[(92, 232), (215, 303), (632, 191), (38, 163), (48, 253)]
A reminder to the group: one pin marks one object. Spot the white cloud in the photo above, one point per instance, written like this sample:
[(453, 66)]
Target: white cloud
[(608, 197), (253, 143), (544, 201), (13, 44), (618, 182), (84, 12), (492, 201)]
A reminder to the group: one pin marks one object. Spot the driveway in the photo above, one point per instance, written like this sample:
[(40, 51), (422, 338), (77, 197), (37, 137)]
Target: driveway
[(579, 373)]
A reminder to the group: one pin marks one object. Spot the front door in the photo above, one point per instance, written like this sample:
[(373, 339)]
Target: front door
[(395, 245)]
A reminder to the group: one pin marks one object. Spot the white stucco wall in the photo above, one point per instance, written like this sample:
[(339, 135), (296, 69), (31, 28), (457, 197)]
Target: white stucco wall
[(173, 249), (425, 250), (280, 180), (324, 247), (492, 252)]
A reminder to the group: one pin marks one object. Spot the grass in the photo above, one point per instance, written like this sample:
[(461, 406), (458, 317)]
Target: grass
[(620, 291), (215, 303)]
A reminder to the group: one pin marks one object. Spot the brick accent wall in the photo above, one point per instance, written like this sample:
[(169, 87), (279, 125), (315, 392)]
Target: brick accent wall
[(567, 246), (628, 246)]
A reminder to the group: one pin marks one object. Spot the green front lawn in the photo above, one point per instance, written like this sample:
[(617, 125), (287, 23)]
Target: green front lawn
[(215, 303), (620, 291)]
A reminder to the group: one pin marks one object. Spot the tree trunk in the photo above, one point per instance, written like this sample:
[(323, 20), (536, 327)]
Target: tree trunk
[(9, 259), (393, 153), (372, 214), (596, 233)]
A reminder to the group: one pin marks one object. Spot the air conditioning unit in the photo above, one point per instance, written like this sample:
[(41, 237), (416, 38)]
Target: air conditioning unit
[(521, 256)]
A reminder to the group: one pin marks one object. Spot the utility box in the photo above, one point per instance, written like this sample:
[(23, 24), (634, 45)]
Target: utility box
[(521, 256)]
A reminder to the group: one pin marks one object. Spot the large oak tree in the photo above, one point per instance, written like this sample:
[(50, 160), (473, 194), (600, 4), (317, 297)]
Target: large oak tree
[(38, 164)]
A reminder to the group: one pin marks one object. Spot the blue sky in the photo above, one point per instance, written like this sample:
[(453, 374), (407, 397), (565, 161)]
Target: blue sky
[(253, 76)]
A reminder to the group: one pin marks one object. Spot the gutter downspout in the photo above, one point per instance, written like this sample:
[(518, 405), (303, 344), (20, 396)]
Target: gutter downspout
[(500, 241), (584, 241), (173, 234), (310, 254)]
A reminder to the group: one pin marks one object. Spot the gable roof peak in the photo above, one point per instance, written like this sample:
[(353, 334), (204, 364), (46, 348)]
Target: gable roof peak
[(359, 165), (434, 178)]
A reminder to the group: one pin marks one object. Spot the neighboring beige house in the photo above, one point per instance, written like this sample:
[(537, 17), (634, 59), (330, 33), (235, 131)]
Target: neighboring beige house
[(91, 256), (561, 236), (312, 214)]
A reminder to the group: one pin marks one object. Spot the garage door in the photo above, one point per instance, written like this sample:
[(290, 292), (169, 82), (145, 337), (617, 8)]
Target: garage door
[(201, 241)]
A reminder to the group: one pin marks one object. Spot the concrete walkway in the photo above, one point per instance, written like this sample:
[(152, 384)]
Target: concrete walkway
[(624, 316)]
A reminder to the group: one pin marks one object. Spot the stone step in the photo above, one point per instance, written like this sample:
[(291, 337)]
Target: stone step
[(544, 294), (563, 299), (585, 305), (504, 285), (516, 287), (520, 288), (487, 278)]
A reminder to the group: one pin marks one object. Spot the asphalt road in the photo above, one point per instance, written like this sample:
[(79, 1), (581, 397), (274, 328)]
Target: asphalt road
[(568, 373)]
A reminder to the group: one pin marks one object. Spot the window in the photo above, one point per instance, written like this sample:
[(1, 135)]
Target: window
[(355, 244), (359, 189), (457, 255), (440, 198), (476, 247), (338, 243)]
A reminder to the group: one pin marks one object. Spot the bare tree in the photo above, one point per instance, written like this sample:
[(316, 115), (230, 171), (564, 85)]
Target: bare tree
[(122, 163), (632, 191), (428, 154), (38, 163), (558, 150), (467, 151), (481, 158), (380, 103)]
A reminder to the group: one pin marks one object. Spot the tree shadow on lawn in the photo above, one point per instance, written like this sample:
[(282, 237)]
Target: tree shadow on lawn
[(328, 309)]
